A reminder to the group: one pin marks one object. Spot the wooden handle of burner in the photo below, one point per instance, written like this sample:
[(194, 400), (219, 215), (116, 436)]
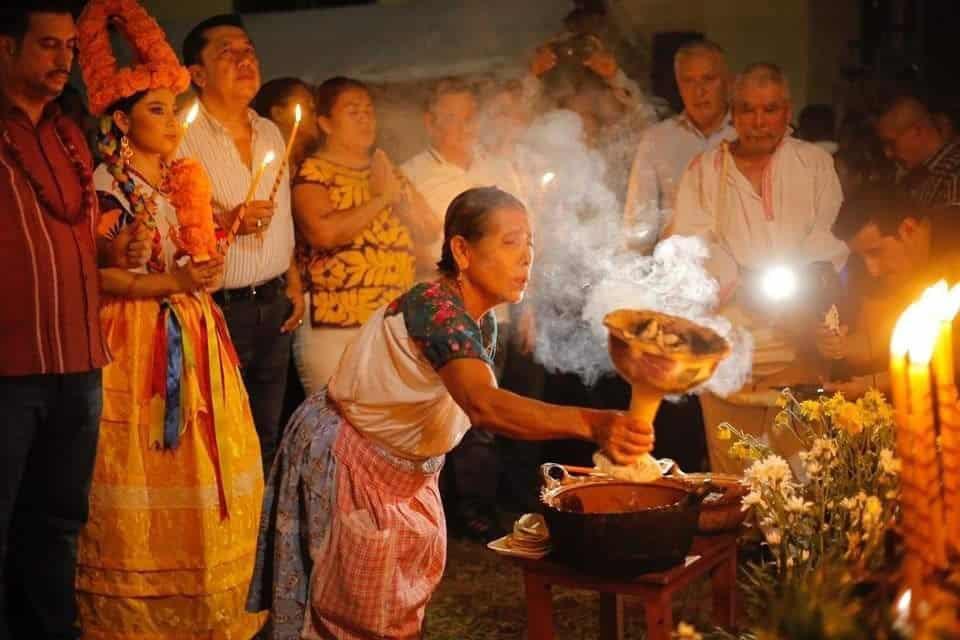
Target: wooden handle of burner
[(644, 403)]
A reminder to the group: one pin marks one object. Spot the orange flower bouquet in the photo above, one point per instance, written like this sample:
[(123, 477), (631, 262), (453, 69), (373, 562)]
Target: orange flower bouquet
[(188, 188)]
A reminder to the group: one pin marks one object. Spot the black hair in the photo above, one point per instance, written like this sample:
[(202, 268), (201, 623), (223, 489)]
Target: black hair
[(467, 217), (15, 14), (274, 93), (326, 94), (880, 204), (196, 40)]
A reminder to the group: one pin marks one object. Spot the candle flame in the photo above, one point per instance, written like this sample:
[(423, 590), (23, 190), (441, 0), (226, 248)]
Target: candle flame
[(268, 157), (297, 113), (192, 114), (917, 328), (547, 178), (903, 603)]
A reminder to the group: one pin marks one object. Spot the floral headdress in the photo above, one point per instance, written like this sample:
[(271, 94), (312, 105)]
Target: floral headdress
[(156, 66)]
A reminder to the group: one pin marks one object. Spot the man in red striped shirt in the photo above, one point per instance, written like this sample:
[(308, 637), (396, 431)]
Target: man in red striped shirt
[(51, 346)]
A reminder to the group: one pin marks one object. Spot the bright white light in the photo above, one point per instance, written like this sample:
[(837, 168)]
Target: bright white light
[(547, 178), (268, 157), (191, 114), (297, 113), (779, 283)]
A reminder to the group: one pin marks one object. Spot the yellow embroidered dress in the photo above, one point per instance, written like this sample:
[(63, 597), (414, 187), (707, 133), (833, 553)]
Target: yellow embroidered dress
[(175, 503), (348, 284)]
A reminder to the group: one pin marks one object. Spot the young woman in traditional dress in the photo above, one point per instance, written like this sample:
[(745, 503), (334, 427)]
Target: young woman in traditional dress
[(352, 541), (357, 226), (168, 549)]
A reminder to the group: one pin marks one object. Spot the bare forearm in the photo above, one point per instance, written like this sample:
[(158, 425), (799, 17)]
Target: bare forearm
[(123, 283), (337, 228), (521, 418)]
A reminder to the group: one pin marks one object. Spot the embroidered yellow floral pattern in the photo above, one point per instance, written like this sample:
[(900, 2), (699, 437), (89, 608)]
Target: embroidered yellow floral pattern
[(348, 284)]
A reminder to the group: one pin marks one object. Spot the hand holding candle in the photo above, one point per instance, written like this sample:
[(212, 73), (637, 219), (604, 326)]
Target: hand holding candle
[(298, 115)]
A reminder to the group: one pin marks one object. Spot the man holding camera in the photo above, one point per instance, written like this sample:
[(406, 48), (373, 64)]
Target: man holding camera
[(764, 199)]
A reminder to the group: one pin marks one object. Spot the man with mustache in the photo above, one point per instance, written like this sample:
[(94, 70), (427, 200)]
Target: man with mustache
[(763, 200), (52, 346), (667, 148), (262, 298)]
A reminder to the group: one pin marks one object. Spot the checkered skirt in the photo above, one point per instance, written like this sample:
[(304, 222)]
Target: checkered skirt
[(386, 547)]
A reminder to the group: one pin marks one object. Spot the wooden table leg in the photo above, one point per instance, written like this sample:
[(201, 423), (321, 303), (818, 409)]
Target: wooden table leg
[(659, 613), (611, 616), (723, 582), (539, 607)]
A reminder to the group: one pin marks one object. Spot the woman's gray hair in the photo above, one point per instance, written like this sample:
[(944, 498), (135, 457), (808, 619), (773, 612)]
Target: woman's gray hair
[(761, 74)]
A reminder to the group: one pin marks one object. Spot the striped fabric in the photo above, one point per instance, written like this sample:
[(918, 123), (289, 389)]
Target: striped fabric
[(252, 260), (937, 182), (50, 283)]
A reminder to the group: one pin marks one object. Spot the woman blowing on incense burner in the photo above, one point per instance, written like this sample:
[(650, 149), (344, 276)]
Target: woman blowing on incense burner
[(357, 474)]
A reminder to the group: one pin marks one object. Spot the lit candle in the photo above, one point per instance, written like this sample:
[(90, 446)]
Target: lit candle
[(191, 115), (948, 414), (267, 159), (547, 178), (912, 348), (297, 115)]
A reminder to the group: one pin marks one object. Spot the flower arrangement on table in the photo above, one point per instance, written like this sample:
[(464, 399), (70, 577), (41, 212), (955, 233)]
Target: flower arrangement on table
[(827, 558)]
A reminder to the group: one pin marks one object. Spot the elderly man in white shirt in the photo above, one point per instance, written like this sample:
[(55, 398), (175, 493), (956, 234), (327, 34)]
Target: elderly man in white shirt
[(667, 148), (262, 297), (449, 166), (763, 200)]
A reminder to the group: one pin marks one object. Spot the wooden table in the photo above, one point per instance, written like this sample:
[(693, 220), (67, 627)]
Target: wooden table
[(718, 558)]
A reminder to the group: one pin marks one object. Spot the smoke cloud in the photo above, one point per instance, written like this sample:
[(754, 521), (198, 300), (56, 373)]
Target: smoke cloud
[(583, 271)]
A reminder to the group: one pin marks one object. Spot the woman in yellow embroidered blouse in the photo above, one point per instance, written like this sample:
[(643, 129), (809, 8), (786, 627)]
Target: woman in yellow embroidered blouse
[(350, 208)]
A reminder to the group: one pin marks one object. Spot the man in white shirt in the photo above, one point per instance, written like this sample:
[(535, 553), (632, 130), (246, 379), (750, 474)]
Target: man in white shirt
[(261, 296), (765, 199), (667, 148), (448, 167)]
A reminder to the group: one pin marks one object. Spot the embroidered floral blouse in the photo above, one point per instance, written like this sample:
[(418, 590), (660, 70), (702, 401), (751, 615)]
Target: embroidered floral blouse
[(349, 283), (387, 384)]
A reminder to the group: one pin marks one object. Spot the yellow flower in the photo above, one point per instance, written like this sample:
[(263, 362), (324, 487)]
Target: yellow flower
[(849, 418), (811, 410), (723, 433)]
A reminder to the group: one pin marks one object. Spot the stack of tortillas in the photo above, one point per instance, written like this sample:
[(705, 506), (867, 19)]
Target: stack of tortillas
[(530, 534)]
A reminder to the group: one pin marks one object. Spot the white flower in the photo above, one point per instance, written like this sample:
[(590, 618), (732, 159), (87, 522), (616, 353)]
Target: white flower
[(888, 463), (773, 536), (772, 470), (752, 499), (813, 468), (796, 504), (687, 632), (805, 555)]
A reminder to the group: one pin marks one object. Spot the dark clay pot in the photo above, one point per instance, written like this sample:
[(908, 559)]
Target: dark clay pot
[(617, 529)]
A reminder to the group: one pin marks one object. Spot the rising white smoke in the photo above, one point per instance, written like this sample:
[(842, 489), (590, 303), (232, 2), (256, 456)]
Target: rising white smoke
[(583, 271)]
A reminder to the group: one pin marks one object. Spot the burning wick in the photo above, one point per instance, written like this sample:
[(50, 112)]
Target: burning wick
[(297, 116), (902, 621), (547, 178), (191, 115), (267, 159), (779, 283)]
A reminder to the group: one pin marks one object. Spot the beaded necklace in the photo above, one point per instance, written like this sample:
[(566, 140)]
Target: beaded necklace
[(82, 171)]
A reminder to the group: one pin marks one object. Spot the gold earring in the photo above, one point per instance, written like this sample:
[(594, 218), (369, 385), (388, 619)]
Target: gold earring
[(126, 153)]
